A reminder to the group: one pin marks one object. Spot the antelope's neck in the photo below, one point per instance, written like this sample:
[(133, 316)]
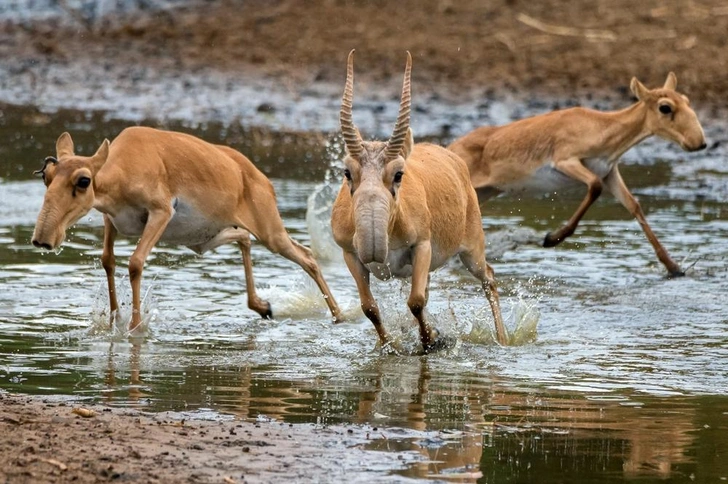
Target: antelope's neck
[(625, 128), (103, 202)]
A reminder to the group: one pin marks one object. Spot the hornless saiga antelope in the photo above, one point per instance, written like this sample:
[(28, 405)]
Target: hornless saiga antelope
[(565, 149), (172, 187), (403, 211)]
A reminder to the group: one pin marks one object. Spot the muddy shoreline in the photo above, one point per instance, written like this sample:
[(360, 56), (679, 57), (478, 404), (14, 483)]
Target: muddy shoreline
[(279, 65), (50, 440)]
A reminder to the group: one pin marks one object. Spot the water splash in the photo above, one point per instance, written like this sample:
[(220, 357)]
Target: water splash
[(306, 302), (320, 203), (523, 319), (318, 222), (115, 327)]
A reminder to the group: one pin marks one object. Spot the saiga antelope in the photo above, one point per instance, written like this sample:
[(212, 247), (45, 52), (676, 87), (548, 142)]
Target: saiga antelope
[(172, 187), (403, 211), (578, 146)]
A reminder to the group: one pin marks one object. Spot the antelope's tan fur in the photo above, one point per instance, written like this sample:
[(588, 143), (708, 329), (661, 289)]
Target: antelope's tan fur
[(578, 146), (410, 227), (173, 187)]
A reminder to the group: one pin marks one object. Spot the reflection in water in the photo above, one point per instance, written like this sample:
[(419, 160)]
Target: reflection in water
[(586, 437), (134, 387), (454, 455), (464, 429)]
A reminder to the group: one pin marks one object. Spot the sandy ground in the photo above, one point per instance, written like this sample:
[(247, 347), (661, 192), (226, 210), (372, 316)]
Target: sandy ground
[(45, 441), (280, 64)]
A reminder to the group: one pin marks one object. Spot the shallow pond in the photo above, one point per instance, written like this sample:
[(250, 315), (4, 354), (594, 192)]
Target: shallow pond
[(616, 373)]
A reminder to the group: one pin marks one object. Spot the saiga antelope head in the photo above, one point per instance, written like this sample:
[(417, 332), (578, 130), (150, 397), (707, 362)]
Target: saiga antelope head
[(69, 181), (669, 114), (375, 171)]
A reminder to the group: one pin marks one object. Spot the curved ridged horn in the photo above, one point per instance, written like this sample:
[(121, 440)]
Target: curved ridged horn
[(351, 136), (395, 143), (48, 159)]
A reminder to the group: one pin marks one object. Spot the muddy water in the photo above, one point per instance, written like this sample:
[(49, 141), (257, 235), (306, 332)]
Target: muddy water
[(615, 372)]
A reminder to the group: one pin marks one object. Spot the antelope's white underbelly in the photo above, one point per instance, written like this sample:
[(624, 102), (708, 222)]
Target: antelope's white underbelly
[(548, 179), (188, 226), (399, 264)]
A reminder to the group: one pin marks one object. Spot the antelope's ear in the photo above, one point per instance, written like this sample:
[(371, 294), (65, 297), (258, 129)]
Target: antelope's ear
[(409, 143), (99, 158), (638, 89), (671, 81), (64, 145)]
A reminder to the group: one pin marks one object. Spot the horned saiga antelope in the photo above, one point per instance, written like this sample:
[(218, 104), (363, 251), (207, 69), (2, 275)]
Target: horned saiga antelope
[(565, 149), (171, 187), (403, 210)]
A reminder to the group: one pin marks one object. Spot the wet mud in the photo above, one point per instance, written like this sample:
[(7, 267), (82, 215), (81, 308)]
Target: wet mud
[(55, 441), (280, 64)]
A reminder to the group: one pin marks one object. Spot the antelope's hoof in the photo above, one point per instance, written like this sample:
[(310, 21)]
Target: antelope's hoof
[(113, 319), (550, 240), (673, 274), (390, 347), (268, 313), (135, 328), (438, 342)]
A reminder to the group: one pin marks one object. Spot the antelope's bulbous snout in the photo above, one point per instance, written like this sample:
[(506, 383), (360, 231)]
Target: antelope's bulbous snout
[(371, 220), (46, 239), (697, 146), (42, 245), (50, 227), (693, 136), (693, 144)]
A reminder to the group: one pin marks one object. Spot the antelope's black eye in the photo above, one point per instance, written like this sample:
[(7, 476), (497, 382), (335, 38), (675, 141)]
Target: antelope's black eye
[(398, 177), (83, 182), (347, 174), (665, 109)]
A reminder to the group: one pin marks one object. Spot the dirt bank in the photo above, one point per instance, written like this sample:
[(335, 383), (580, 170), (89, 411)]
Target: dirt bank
[(45, 441), (282, 63)]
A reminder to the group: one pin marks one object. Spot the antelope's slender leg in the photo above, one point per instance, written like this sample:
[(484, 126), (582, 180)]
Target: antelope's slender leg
[(301, 255), (427, 288), (476, 264), (266, 225), (575, 169), (421, 258), (368, 304), (108, 261), (156, 223), (254, 302), (615, 184)]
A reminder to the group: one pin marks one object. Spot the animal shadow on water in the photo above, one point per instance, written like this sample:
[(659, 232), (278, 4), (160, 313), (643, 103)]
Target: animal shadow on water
[(403, 210)]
